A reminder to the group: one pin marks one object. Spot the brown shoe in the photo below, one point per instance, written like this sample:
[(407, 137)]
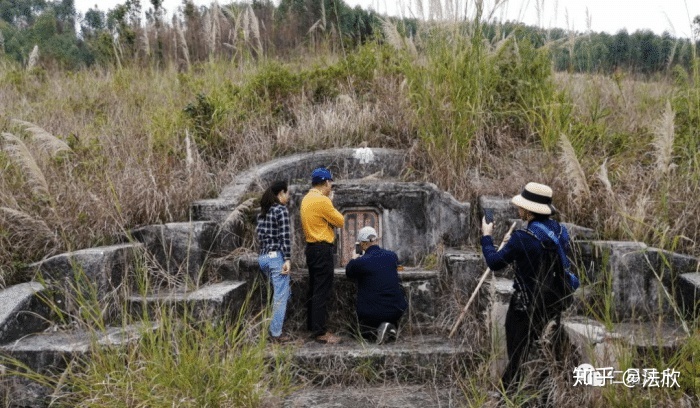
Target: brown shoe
[(329, 338)]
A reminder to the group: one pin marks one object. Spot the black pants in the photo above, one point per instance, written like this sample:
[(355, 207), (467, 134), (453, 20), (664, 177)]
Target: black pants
[(368, 324), (319, 259), (523, 328)]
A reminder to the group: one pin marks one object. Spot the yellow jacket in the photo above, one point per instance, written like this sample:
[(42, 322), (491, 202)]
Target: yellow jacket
[(318, 217)]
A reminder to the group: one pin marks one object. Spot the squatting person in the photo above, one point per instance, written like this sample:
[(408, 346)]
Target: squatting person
[(380, 298)]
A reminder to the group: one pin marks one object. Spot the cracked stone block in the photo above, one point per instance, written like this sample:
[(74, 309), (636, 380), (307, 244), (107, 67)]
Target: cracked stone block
[(22, 311), (91, 275), (209, 302), (181, 249), (688, 295)]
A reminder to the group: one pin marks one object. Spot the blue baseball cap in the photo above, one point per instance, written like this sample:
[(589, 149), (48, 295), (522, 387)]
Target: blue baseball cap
[(320, 175)]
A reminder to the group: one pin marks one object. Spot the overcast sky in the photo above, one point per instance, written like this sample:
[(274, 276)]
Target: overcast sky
[(674, 16)]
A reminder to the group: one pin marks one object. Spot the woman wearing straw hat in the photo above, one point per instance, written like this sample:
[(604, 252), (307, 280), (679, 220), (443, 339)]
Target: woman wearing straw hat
[(524, 324)]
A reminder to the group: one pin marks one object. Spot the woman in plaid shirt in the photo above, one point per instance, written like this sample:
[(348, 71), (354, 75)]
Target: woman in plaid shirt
[(273, 234)]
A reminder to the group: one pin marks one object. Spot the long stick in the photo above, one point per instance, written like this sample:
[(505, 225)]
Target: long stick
[(478, 285)]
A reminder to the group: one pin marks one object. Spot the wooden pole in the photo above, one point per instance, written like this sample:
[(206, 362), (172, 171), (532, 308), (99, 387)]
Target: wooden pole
[(478, 285)]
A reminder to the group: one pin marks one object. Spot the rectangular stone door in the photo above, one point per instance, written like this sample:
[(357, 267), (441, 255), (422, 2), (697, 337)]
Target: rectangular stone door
[(356, 219)]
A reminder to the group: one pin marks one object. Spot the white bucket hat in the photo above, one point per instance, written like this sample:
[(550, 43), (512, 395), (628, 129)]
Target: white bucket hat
[(536, 198), (367, 234)]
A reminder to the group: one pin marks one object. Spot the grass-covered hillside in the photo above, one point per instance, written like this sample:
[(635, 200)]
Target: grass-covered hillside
[(88, 154), (169, 112)]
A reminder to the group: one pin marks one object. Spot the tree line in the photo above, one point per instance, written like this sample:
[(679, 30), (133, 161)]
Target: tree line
[(125, 35)]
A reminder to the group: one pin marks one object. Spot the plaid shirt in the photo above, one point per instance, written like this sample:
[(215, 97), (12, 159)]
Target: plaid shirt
[(273, 231)]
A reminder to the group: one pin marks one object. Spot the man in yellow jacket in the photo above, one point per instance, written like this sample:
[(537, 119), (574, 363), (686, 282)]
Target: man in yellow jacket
[(318, 218)]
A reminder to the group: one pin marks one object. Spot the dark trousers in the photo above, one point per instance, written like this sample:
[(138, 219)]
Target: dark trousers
[(368, 324), (523, 329), (319, 259)]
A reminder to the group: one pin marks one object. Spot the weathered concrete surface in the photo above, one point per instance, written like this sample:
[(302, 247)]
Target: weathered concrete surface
[(387, 396), (420, 287), (641, 281), (179, 248), (415, 217), (209, 302), (344, 163), (234, 267), (22, 311), (98, 272), (604, 348), (688, 294), (410, 360), (463, 268), (49, 352)]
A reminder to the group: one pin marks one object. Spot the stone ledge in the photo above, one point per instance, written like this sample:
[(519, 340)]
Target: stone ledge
[(688, 295), (22, 311), (600, 346), (394, 396), (345, 163), (411, 359), (209, 302), (420, 286), (51, 351)]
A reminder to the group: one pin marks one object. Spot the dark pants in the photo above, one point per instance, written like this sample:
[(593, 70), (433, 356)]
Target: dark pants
[(523, 329), (319, 259), (368, 324)]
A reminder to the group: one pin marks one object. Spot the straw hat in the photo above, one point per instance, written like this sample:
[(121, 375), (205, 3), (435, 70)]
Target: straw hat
[(536, 198)]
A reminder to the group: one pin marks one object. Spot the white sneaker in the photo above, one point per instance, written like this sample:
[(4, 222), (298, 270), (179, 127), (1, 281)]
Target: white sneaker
[(393, 335), (382, 332)]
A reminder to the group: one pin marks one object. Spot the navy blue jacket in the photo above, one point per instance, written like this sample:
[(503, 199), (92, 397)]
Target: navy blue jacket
[(379, 291), (525, 250)]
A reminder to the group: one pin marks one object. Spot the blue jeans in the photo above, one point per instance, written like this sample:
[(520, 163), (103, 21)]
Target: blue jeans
[(271, 267)]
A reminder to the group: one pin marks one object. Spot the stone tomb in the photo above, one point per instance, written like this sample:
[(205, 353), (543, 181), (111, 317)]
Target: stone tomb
[(412, 219)]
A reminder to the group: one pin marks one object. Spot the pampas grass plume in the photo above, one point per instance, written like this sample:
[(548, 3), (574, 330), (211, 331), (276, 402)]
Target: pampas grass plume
[(17, 150), (572, 168), (33, 58), (664, 134), (46, 141), (602, 175), (28, 225)]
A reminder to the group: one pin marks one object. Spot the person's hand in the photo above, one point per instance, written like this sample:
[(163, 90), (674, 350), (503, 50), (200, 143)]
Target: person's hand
[(486, 229), (355, 255), (506, 238), (331, 195), (286, 267)]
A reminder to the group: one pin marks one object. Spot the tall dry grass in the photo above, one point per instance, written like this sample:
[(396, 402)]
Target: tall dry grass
[(88, 155)]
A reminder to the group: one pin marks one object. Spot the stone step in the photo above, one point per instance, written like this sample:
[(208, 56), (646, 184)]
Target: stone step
[(420, 286), (211, 301), (412, 359), (50, 351), (605, 347), (22, 311), (688, 295), (179, 248), (385, 396), (645, 282), (98, 274)]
